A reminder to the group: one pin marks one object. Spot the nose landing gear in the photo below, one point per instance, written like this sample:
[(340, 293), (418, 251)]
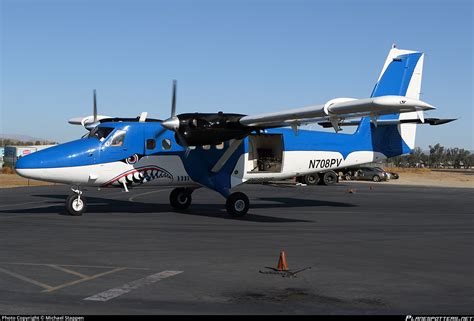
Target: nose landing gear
[(75, 203)]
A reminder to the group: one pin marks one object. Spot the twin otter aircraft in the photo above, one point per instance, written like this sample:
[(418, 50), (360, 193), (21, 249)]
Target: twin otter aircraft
[(220, 150)]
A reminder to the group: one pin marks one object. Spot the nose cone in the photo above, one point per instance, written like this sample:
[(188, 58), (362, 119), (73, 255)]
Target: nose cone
[(32, 160), (23, 164), (76, 153), (29, 166)]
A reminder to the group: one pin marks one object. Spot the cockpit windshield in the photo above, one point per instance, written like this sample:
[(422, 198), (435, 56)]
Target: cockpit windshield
[(100, 133)]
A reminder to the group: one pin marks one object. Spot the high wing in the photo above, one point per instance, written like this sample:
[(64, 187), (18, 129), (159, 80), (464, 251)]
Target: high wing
[(429, 121), (337, 110), (198, 129), (395, 99)]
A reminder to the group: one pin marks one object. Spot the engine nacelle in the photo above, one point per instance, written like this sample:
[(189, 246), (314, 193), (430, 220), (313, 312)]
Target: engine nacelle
[(198, 129), (334, 102)]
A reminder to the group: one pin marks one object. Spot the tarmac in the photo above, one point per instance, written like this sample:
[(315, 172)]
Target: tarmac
[(372, 248)]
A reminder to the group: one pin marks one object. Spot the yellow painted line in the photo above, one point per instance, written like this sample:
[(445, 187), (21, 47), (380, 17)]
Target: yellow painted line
[(46, 287), (51, 289), (61, 268)]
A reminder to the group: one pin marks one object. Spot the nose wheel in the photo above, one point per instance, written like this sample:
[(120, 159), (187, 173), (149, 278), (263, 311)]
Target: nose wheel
[(76, 203), (237, 204), (180, 198)]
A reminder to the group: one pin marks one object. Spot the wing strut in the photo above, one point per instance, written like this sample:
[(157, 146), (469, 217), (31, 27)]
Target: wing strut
[(227, 154)]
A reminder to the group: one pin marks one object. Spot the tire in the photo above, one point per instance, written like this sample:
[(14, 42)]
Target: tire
[(376, 178), (75, 205), (311, 179), (180, 198), (237, 204), (329, 178)]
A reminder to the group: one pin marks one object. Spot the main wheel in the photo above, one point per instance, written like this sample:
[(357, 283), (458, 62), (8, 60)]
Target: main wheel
[(237, 204), (376, 178), (311, 179), (180, 198), (329, 178), (76, 205)]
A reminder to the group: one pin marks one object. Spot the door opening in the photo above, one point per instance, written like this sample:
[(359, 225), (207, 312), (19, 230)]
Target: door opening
[(266, 152)]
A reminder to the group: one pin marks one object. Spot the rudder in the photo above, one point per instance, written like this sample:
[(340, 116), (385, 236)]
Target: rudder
[(401, 75)]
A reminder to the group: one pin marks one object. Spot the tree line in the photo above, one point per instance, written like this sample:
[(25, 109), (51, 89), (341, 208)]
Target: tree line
[(438, 157), (14, 142)]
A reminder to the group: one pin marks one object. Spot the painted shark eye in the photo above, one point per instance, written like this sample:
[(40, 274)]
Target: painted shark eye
[(132, 159)]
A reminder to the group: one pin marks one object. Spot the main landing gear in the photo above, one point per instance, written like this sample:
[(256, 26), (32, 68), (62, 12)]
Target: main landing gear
[(180, 198), (75, 203), (237, 203)]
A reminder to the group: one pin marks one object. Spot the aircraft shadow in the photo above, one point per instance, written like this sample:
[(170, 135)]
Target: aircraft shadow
[(104, 205)]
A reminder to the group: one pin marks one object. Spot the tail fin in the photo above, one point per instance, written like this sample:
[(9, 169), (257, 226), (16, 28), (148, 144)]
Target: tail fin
[(401, 75)]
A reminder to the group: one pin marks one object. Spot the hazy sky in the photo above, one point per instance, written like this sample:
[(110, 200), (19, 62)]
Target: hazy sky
[(236, 56)]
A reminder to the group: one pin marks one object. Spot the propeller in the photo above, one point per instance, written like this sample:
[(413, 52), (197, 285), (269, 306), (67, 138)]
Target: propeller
[(172, 123), (94, 110), (89, 122), (173, 99)]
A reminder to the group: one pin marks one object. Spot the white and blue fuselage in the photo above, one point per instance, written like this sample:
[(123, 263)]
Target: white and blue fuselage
[(127, 153)]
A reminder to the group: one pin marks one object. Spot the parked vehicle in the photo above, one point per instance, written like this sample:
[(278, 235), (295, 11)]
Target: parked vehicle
[(393, 175), (366, 173), (390, 175)]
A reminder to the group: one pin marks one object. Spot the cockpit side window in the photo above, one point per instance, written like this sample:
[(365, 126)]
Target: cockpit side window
[(118, 138), (101, 133)]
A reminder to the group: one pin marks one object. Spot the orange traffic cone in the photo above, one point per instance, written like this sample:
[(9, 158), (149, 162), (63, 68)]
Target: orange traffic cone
[(282, 265)]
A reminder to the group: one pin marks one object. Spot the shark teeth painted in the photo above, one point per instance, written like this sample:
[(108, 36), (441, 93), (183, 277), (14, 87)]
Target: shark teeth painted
[(139, 176)]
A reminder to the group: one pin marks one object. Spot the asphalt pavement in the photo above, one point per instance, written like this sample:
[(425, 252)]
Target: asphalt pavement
[(372, 248)]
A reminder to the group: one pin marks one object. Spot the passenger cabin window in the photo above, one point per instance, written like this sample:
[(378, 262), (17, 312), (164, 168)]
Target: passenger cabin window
[(166, 144), (220, 146), (150, 144), (118, 138), (101, 133)]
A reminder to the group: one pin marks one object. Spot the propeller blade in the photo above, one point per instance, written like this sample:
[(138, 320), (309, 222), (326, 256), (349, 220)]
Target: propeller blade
[(95, 108), (172, 123), (183, 143), (181, 139), (173, 100), (159, 133)]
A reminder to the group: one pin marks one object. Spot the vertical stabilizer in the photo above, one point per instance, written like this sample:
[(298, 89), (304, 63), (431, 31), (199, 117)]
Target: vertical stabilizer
[(401, 75)]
